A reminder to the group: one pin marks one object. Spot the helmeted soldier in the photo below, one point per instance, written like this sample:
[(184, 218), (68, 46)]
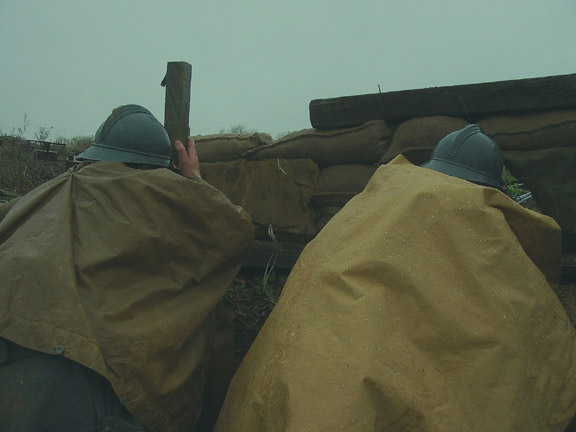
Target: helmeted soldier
[(426, 303), (131, 134), (111, 277)]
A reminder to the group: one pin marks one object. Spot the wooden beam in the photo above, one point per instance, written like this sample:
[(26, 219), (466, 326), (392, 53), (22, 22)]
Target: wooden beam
[(261, 251), (569, 266), (469, 102), (177, 106)]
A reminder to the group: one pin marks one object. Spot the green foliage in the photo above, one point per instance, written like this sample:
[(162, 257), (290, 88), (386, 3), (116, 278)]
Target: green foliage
[(257, 287), (20, 171), (237, 287), (73, 145), (266, 285), (77, 144), (511, 185), (272, 287), (237, 129), (243, 129)]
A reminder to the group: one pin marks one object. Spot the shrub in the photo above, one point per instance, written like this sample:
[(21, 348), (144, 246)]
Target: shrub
[(20, 172)]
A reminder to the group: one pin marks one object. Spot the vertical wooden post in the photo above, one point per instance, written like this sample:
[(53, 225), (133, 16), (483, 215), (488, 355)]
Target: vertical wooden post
[(177, 104)]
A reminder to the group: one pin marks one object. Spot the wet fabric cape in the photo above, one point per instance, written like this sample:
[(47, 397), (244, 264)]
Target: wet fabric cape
[(425, 304), (121, 270)]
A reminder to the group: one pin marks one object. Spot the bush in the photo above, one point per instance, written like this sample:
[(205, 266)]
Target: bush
[(77, 145), (20, 172)]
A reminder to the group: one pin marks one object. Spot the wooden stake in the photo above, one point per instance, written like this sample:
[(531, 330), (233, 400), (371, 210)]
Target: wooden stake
[(177, 106)]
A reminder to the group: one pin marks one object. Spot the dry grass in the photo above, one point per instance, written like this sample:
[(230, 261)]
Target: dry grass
[(20, 172)]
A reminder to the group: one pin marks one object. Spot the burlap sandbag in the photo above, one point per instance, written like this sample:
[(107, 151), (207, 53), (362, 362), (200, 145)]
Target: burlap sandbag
[(416, 138), (325, 214), (274, 192), (121, 270), (423, 305), (363, 144), (338, 184), (550, 176), (228, 147), (532, 131)]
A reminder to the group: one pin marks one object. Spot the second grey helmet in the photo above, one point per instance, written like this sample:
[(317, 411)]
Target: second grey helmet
[(470, 155)]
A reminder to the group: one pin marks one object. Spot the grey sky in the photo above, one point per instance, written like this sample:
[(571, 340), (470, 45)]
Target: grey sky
[(67, 63)]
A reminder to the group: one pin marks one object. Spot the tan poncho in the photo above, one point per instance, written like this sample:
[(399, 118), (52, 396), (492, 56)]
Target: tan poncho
[(121, 270), (425, 304)]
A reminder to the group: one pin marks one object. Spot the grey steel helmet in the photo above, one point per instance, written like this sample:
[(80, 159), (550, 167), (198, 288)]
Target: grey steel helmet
[(470, 155), (130, 134)]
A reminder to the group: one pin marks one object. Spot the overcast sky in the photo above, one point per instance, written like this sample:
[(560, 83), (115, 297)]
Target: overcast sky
[(67, 63)]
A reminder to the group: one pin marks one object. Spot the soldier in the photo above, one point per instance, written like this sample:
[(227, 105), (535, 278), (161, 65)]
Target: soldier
[(132, 135), (111, 276), (426, 304)]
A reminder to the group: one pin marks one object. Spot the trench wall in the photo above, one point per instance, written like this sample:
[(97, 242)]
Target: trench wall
[(294, 185)]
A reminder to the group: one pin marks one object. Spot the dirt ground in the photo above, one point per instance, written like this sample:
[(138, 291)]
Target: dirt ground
[(567, 295), (249, 301)]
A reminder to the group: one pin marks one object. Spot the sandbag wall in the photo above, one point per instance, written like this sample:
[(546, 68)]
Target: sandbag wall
[(292, 186)]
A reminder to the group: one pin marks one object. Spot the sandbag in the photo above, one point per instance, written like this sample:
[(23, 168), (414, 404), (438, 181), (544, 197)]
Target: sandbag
[(532, 131), (338, 184), (550, 176), (325, 214), (363, 144), (121, 270), (425, 304), (274, 192), (228, 147), (416, 138)]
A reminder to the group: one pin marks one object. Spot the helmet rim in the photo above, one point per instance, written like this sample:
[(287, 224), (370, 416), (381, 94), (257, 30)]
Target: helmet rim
[(99, 152), (463, 172)]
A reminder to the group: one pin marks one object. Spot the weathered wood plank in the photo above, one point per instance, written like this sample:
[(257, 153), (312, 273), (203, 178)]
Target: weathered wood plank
[(470, 102), (177, 105), (569, 266)]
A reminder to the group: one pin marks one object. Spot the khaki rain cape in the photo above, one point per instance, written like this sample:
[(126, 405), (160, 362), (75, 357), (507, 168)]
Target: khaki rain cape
[(425, 304), (121, 270)]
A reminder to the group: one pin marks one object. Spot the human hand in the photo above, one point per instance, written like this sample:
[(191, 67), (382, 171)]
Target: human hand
[(187, 159)]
